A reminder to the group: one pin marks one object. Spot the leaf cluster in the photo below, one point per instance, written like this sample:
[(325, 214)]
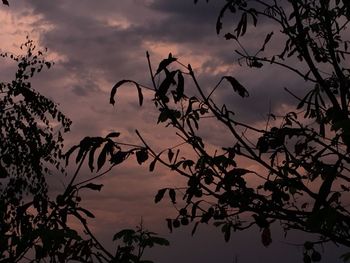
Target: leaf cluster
[(302, 158)]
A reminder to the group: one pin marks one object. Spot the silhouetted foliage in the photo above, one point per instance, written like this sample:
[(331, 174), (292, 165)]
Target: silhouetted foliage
[(35, 224), (30, 147), (302, 157)]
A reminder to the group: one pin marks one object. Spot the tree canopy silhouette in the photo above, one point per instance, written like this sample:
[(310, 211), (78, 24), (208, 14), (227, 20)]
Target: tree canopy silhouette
[(35, 222), (302, 157)]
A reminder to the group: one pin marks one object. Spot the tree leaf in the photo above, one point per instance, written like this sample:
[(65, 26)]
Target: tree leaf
[(153, 163), (226, 229), (229, 36), (169, 224), (118, 157), (102, 157), (5, 2), (95, 187), (159, 241), (80, 153), (159, 196), (266, 237), (170, 155), (172, 195), (180, 87), (120, 83), (123, 233), (242, 25), (165, 85), (86, 212), (194, 228), (141, 156), (267, 39), (221, 16), (113, 135), (91, 158), (237, 87), (165, 62)]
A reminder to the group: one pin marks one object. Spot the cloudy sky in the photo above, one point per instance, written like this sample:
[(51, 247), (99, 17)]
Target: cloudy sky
[(94, 44)]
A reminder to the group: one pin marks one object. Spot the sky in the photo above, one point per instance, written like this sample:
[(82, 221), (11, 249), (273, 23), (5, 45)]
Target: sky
[(94, 44)]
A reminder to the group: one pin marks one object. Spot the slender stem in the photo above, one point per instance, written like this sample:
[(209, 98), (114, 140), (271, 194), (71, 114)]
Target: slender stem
[(68, 189)]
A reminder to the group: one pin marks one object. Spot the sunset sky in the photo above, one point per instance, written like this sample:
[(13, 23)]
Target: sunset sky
[(94, 44)]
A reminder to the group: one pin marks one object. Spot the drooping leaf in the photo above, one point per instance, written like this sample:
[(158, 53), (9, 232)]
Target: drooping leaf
[(153, 163), (80, 154), (122, 82), (95, 187), (242, 25), (86, 212), (170, 155), (141, 156), (91, 158), (165, 85), (226, 229), (237, 87), (218, 26), (195, 228), (170, 224), (172, 195), (69, 152), (267, 39), (266, 237), (102, 157), (221, 16), (159, 196), (180, 87)]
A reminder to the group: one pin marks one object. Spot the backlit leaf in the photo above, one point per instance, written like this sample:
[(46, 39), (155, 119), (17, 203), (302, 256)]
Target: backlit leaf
[(165, 62), (113, 134), (122, 82), (86, 212), (172, 195), (102, 158), (159, 196), (237, 87), (95, 187), (141, 156)]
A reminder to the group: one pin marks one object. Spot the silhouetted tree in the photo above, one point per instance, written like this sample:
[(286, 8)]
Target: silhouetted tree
[(302, 157), (35, 225)]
